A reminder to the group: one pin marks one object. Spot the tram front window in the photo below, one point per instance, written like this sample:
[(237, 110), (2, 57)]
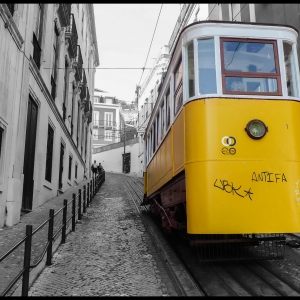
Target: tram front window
[(207, 66), (249, 57), (250, 66)]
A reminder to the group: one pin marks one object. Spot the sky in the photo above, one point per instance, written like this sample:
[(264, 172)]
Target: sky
[(124, 35)]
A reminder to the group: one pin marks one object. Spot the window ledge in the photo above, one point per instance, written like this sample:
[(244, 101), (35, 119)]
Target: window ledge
[(47, 185)]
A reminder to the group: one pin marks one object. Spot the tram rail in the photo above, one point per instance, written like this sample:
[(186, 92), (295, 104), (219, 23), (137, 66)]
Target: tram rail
[(230, 278)]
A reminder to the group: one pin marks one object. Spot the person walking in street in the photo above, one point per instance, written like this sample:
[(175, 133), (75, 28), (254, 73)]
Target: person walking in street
[(100, 169), (94, 168)]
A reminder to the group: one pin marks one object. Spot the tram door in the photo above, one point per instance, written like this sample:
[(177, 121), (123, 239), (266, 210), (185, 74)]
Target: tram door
[(126, 163), (29, 154)]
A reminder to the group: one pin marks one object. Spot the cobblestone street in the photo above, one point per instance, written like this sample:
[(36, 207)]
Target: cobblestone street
[(109, 254)]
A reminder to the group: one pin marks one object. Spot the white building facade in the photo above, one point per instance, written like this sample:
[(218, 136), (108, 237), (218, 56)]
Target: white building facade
[(106, 120), (48, 56)]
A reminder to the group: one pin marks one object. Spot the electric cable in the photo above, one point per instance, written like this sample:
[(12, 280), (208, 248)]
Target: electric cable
[(150, 44)]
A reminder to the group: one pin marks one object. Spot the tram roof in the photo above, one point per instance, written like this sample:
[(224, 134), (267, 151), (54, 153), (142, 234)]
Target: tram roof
[(234, 24)]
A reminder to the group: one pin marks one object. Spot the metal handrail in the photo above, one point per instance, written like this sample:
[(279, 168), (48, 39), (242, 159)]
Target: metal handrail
[(12, 249), (42, 256), (93, 185)]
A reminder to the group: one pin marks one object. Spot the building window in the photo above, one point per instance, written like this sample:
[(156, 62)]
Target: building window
[(72, 108), (37, 33), (65, 90), (108, 135), (108, 119), (1, 135), (76, 169), (54, 62), (49, 154), (2, 142), (96, 99), (78, 124), (82, 134), (96, 118), (95, 134), (70, 167), (61, 166)]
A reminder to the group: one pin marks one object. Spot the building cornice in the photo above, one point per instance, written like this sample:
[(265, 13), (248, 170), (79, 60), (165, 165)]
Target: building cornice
[(93, 30), (11, 26)]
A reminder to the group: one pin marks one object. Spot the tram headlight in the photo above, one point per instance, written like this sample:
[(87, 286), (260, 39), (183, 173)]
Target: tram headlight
[(256, 129)]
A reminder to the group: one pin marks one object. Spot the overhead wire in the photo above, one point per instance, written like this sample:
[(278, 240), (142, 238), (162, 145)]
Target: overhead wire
[(212, 11), (150, 44), (239, 11)]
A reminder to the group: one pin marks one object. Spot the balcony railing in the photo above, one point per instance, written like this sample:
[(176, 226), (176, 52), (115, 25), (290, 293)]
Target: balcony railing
[(36, 51), (72, 37), (77, 64), (64, 12)]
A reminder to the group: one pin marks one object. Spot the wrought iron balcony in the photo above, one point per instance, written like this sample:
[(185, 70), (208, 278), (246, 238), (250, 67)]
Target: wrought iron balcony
[(36, 51), (77, 64), (72, 37), (63, 12)]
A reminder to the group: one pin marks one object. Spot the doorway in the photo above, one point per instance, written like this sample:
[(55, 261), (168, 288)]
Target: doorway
[(61, 166), (126, 162), (29, 155)]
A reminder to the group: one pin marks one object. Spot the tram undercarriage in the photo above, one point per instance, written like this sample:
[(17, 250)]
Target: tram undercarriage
[(171, 211)]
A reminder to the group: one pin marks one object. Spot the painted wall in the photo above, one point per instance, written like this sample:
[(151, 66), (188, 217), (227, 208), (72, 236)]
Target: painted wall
[(20, 79), (111, 159)]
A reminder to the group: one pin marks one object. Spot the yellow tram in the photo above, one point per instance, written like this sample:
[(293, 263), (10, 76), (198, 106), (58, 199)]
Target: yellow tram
[(222, 147)]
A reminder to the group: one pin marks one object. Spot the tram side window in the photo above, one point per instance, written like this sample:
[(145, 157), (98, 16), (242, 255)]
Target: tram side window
[(162, 109), (207, 66), (168, 108), (151, 144), (154, 137), (146, 152), (158, 135), (178, 99), (250, 66), (290, 69), (190, 69)]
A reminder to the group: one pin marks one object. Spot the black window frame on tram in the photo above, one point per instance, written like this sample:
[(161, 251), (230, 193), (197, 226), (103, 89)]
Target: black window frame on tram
[(267, 75)]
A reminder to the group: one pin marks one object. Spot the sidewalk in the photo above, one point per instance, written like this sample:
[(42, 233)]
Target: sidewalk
[(109, 254), (10, 236)]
